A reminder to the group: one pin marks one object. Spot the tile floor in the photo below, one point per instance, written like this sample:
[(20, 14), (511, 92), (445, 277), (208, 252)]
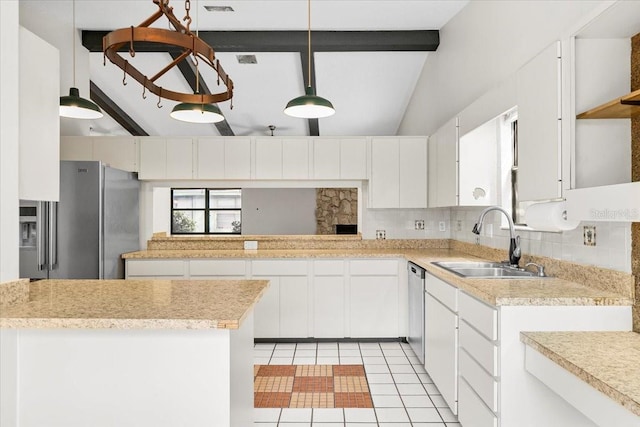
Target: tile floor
[(403, 394)]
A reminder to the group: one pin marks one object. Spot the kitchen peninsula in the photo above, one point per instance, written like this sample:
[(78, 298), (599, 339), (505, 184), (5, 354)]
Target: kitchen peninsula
[(135, 352)]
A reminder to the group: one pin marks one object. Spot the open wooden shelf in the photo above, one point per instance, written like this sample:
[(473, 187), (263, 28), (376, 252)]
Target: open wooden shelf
[(625, 107)]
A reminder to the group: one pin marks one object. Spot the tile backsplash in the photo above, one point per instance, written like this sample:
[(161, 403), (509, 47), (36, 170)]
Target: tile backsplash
[(400, 223), (612, 249)]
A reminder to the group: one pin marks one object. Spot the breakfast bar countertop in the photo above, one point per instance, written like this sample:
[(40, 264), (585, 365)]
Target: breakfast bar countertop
[(134, 304), (607, 361)]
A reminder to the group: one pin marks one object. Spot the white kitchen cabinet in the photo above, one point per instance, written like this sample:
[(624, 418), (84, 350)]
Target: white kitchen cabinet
[(166, 158), (266, 314), (443, 166), (268, 163), (120, 152), (281, 158), (223, 158), (398, 172), (328, 299), (156, 269), (478, 165), (413, 173), (539, 126), (326, 158), (340, 158), (294, 307), (441, 338), (295, 158), (201, 269), (39, 120), (353, 158)]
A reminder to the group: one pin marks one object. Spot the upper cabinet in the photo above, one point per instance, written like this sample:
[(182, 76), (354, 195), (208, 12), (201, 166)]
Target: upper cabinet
[(478, 165), (120, 152), (398, 172), (443, 166), (340, 158), (39, 127), (539, 126), (223, 158), (166, 158), (281, 158)]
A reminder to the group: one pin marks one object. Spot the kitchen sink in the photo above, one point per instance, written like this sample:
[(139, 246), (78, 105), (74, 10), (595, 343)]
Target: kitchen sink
[(485, 270)]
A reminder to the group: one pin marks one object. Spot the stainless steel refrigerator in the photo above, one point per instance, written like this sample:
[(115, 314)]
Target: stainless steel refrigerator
[(83, 235)]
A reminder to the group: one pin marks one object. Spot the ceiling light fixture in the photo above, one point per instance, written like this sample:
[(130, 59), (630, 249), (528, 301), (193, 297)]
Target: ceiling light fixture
[(73, 106), (181, 37), (192, 112), (309, 105)]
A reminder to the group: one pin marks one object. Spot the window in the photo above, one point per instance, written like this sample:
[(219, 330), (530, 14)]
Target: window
[(206, 211)]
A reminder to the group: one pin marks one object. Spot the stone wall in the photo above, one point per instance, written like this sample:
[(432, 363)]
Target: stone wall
[(335, 206), (635, 176)]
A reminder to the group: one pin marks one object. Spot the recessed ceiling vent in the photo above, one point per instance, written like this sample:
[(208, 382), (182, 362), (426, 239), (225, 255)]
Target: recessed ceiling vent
[(219, 8), (247, 59)]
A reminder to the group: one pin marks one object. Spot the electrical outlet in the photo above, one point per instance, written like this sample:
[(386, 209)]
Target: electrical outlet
[(442, 226), (419, 224), (459, 225), (381, 234), (589, 235)]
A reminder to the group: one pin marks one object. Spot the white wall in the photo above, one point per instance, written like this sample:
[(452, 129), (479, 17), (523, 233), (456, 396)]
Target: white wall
[(479, 48), (612, 250), (9, 158)]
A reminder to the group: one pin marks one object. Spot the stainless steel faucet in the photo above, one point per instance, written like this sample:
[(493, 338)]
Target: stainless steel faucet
[(514, 243)]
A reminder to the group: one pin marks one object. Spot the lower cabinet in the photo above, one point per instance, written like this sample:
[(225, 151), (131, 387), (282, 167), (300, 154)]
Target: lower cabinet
[(441, 338), (325, 298)]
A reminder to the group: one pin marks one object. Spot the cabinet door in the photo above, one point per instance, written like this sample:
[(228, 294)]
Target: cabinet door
[(328, 307), (39, 119), (268, 158), (117, 152), (266, 314), (353, 158), (443, 166), (326, 158), (294, 307), (153, 158), (76, 148), (385, 173), (413, 173), (374, 307), (237, 158), (441, 349), (210, 158), (295, 158), (179, 158), (539, 162)]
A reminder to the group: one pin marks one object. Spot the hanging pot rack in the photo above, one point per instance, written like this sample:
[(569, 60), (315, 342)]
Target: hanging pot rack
[(181, 37)]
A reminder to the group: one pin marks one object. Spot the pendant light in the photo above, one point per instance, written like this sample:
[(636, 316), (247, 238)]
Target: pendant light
[(73, 106), (192, 112), (309, 105)]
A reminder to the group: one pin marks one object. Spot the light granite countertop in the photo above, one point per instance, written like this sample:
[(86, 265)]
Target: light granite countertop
[(134, 304), (497, 292), (608, 361)]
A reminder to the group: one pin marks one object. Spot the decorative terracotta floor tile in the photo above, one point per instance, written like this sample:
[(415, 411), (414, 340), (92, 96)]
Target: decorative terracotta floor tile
[(311, 386)]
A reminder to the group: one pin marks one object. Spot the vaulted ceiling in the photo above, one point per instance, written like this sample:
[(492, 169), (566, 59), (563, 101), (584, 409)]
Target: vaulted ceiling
[(367, 57)]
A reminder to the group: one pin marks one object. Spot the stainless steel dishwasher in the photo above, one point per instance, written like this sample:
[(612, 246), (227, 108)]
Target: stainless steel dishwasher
[(416, 309)]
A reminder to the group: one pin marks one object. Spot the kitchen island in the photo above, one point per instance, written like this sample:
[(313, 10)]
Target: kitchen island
[(129, 353)]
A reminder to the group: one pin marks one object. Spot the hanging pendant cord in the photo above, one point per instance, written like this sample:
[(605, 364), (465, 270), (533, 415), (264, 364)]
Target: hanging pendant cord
[(309, 40), (73, 33)]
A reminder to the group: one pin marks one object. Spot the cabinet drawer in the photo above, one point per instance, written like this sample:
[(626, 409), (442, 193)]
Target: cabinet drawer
[(279, 268), (446, 293), (156, 268), (483, 384), (230, 267), (328, 267), (482, 316), (479, 347), (471, 411), (377, 267)]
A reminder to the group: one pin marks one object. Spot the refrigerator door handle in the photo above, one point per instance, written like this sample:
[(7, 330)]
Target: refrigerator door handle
[(53, 235), (41, 241)]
